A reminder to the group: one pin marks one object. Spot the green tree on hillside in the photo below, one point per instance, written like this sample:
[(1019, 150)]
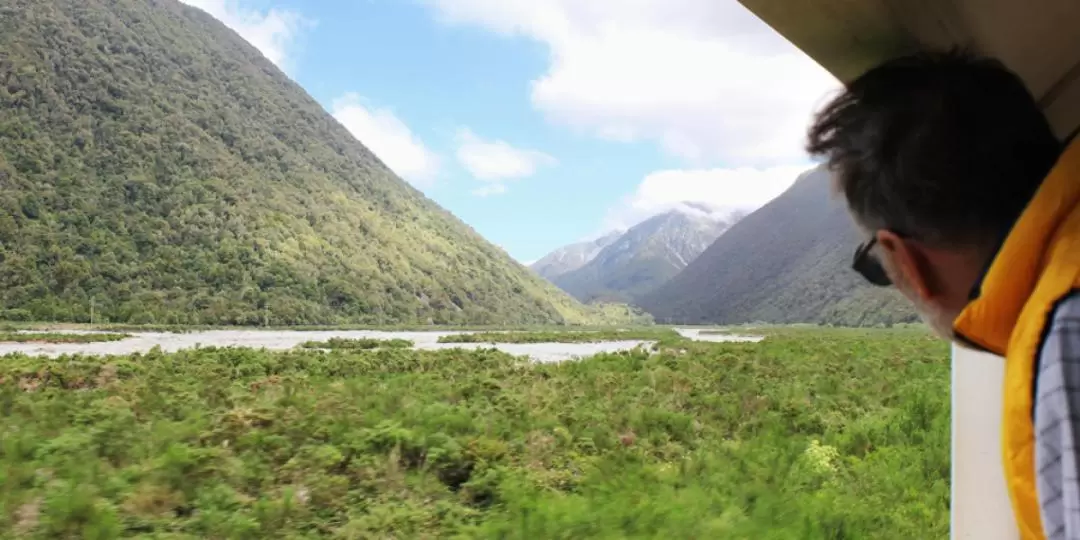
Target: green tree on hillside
[(154, 161)]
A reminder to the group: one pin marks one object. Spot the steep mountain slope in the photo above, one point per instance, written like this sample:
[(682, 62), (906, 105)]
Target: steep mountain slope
[(154, 163), (646, 255), (571, 257), (787, 262)]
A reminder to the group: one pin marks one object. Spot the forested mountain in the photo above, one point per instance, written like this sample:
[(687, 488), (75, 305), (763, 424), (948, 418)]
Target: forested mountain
[(155, 164), (571, 257), (787, 262), (646, 255)]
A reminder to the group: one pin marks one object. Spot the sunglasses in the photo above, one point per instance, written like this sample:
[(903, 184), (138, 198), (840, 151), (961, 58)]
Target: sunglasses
[(868, 266)]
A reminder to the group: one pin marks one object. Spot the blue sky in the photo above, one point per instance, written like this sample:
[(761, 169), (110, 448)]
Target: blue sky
[(544, 122)]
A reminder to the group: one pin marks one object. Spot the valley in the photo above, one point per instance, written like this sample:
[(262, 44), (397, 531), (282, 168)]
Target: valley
[(787, 262), (624, 265), (236, 306)]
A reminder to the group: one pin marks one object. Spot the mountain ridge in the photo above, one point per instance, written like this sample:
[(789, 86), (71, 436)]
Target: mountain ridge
[(156, 165), (787, 262), (645, 255), (572, 256)]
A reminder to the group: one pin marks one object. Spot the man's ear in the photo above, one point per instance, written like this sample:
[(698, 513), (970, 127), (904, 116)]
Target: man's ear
[(910, 262)]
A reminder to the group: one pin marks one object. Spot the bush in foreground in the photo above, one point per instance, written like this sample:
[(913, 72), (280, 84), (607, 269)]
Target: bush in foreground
[(824, 434)]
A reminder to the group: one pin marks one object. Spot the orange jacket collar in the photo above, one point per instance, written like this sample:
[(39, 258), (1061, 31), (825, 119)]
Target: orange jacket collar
[(988, 320)]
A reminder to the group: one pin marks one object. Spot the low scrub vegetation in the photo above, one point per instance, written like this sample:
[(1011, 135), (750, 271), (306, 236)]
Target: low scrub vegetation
[(58, 337), (358, 344), (816, 434), (587, 336)]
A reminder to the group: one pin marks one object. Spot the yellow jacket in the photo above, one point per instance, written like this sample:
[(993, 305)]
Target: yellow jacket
[(1037, 265)]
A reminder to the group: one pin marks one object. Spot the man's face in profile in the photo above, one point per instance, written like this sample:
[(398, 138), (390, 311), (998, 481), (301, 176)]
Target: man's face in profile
[(876, 260)]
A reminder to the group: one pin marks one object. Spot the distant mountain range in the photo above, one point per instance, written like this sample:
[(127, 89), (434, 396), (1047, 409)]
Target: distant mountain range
[(787, 262), (623, 266), (571, 257)]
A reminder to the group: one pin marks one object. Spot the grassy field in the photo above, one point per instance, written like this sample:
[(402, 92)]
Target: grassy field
[(57, 337), (812, 433)]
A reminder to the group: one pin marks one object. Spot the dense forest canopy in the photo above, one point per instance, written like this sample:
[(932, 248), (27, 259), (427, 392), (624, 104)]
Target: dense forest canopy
[(157, 167)]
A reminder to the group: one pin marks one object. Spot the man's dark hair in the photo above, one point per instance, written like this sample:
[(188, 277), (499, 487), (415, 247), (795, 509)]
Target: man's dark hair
[(946, 147)]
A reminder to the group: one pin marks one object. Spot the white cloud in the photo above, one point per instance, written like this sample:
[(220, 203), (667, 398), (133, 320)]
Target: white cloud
[(273, 32), (726, 190), (496, 162), (704, 78), (389, 138)]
